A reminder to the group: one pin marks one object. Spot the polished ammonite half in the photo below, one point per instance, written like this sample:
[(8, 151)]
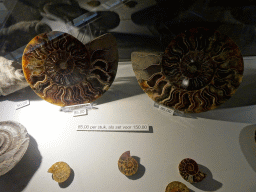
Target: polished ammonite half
[(189, 171), (199, 70), (127, 164), (176, 186), (64, 71)]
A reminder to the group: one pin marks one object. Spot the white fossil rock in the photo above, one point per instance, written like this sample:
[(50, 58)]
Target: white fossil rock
[(14, 141), (11, 76)]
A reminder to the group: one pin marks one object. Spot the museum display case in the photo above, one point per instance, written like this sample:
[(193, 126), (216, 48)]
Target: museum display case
[(127, 95)]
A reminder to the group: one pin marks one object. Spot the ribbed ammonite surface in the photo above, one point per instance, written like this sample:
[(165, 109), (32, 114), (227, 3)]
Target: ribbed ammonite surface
[(14, 141), (176, 186), (189, 171), (63, 71), (60, 171), (127, 164), (199, 70)]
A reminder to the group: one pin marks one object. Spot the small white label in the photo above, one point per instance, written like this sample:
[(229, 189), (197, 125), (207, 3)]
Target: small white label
[(164, 109), (79, 107), (22, 104), (113, 127), (80, 112)]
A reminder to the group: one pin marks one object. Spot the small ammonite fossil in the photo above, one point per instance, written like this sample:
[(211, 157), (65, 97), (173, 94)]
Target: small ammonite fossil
[(189, 171), (14, 141), (199, 70), (127, 164), (60, 171), (176, 186), (64, 71)]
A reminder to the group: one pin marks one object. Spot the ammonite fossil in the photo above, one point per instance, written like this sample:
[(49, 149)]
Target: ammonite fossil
[(60, 171), (63, 71), (14, 141), (176, 186), (127, 164), (189, 171), (199, 70)]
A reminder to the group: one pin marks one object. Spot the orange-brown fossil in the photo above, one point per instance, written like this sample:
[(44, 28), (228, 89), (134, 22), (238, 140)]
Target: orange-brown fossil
[(64, 71), (199, 70), (127, 164), (176, 186), (189, 171), (60, 171)]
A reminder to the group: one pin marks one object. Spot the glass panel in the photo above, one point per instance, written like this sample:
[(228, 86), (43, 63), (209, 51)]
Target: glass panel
[(137, 25)]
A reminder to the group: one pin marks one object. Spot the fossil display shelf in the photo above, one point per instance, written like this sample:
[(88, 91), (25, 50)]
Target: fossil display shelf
[(221, 141)]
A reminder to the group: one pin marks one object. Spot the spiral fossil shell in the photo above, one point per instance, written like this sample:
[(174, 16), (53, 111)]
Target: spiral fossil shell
[(199, 70), (127, 164), (63, 71), (176, 186), (189, 171), (60, 171), (14, 141)]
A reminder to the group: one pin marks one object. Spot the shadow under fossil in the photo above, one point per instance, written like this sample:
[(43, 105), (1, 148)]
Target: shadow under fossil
[(208, 184), (66, 183), (248, 145), (122, 87), (140, 172), (18, 178)]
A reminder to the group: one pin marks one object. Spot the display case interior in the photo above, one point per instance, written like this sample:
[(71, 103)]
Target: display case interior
[(89, 81)]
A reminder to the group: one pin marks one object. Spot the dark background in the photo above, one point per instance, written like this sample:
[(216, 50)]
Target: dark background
[(161, 21)]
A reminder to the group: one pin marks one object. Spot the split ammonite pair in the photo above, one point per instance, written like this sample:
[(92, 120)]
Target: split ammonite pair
[(199, 70)]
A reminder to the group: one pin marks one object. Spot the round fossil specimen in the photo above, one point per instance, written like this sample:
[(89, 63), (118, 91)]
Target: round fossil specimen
[(199, 70), (176, 186), (189, 171), (60, 171), (127, 164), (14, 142), (63, 71)]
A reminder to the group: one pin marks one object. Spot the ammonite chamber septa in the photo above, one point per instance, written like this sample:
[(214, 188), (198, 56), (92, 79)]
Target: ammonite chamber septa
[(14, 141), (64, 71), (176, 186), (127, 164), (199, 70), (189, 171)]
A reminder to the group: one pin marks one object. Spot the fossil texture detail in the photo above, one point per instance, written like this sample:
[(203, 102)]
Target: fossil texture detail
[(14, 142), (11, 78), (63, 71), (189, 171), (127, 164), (176, 186), (199, 70), (60, 171)]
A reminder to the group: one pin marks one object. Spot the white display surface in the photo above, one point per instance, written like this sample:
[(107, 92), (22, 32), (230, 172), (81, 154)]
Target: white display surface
[(221, 141)]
